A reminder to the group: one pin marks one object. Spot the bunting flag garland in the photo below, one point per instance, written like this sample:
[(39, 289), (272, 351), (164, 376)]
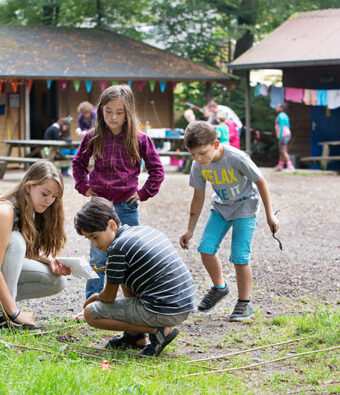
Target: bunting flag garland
[(152, 85), (76, 84), (102, 85), (49, 83), (88, 84), (140, 85), (63, 84), (162, 85)]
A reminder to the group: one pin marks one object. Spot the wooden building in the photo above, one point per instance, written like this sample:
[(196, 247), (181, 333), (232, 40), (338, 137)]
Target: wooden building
[(306, 48), (46, 72)]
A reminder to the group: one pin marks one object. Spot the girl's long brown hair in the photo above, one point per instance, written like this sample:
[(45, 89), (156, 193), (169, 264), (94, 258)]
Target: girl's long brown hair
[(44, 232), (130, 127)]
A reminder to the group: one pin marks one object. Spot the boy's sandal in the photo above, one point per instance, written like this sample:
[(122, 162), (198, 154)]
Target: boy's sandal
[(158, 342), (127, 340)]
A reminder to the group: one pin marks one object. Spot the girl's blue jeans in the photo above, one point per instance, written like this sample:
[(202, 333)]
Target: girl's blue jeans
[(128, 214)]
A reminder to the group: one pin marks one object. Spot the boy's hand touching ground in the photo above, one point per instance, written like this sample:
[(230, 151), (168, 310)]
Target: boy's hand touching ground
[(184, 239)]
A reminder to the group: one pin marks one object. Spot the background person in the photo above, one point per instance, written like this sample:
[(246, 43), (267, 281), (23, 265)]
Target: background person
[(31, 234), (86, 118), (60, 131), (283, 134), (222, 129), (214, 108)]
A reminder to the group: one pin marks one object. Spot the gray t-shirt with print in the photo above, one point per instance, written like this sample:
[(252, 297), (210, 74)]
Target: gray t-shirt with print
[(232, 179)]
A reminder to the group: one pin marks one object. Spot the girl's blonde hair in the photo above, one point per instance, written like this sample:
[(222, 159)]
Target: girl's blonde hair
[(85, 106), (130, 127), (43, 232)]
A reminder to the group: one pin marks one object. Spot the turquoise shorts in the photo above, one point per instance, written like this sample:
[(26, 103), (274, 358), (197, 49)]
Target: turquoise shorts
[(217, 227)]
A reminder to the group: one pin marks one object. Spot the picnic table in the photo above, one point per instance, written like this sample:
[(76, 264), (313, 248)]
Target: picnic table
[(325, 157), (47, 149), (176, 149)]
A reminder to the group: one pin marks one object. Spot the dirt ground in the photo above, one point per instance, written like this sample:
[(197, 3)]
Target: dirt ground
[(307, 269)]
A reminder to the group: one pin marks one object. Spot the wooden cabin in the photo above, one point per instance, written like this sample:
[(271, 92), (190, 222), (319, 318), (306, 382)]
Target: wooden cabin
[(306, 48), (46, 72)]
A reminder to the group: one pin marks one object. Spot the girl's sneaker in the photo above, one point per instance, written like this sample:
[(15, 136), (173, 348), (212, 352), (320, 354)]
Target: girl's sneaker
[(242, 311)]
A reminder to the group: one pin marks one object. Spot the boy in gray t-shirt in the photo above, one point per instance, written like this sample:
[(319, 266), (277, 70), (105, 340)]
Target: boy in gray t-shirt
[(237, 183)]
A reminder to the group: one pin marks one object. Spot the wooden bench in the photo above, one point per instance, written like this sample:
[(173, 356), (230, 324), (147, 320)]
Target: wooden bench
[(11, 159), (28, 161), (323, 160), (325, 157), (180, 155)]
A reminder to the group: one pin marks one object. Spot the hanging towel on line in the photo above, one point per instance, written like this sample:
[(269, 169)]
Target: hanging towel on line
[(294, 94), (322, 99), (333, 99), (309, 97), (276, 96)]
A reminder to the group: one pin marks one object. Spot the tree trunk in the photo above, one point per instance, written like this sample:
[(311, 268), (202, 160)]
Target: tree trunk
[(99, 13), (246, 17)]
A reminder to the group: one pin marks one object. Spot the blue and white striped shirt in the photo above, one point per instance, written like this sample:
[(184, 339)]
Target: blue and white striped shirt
[(146, 262)]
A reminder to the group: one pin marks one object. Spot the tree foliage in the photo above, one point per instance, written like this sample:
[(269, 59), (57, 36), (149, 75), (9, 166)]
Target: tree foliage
[(125, 17)]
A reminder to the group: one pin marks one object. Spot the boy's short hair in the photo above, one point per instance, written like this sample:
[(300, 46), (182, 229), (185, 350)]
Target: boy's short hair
[(221, 116), (95, 215), (199, 133)]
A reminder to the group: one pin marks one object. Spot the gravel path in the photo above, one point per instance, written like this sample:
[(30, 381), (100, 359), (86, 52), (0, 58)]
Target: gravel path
[(308, 267)]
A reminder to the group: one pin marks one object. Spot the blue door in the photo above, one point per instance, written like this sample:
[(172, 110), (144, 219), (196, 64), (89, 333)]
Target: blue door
[(325, 126)]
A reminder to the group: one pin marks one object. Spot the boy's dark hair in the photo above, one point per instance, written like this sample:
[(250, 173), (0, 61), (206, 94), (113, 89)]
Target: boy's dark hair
[(95, 215), (199, 133)]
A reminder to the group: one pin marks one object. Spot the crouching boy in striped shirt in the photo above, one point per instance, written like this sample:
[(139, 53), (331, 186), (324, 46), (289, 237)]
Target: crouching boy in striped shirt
[(158, 287)]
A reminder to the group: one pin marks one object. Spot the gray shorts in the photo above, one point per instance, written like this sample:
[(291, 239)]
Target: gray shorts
[(133, 311)]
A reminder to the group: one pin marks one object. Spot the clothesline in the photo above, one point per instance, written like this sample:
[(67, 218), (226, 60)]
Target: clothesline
[(310, 97)]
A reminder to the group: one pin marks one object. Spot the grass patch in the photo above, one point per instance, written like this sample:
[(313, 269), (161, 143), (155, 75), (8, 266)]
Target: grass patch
[(69, 360)]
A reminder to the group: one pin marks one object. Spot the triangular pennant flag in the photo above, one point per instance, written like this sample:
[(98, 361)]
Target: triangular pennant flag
[(63, 84), (114, 82), (29, 86), (152, 85), (162, 85), (140, 85), (14, 84), (49, 83), (174, 83), (88, 84), (102, 85), (129, 83), (1, 87), (76, 84)]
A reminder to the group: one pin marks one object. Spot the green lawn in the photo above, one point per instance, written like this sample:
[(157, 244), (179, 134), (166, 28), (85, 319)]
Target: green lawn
[(68, 359)]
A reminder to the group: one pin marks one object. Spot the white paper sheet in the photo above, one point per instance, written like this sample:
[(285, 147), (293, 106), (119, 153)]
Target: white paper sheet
[(79, 267)]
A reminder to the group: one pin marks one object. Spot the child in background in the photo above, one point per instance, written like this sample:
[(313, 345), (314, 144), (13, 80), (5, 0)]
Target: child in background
[(235, 204), (283, 134), (86, 118), (189, 115), (31, 234), (60, 131), (159, 290), (234, 137), (117, 147), (222, 129)]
